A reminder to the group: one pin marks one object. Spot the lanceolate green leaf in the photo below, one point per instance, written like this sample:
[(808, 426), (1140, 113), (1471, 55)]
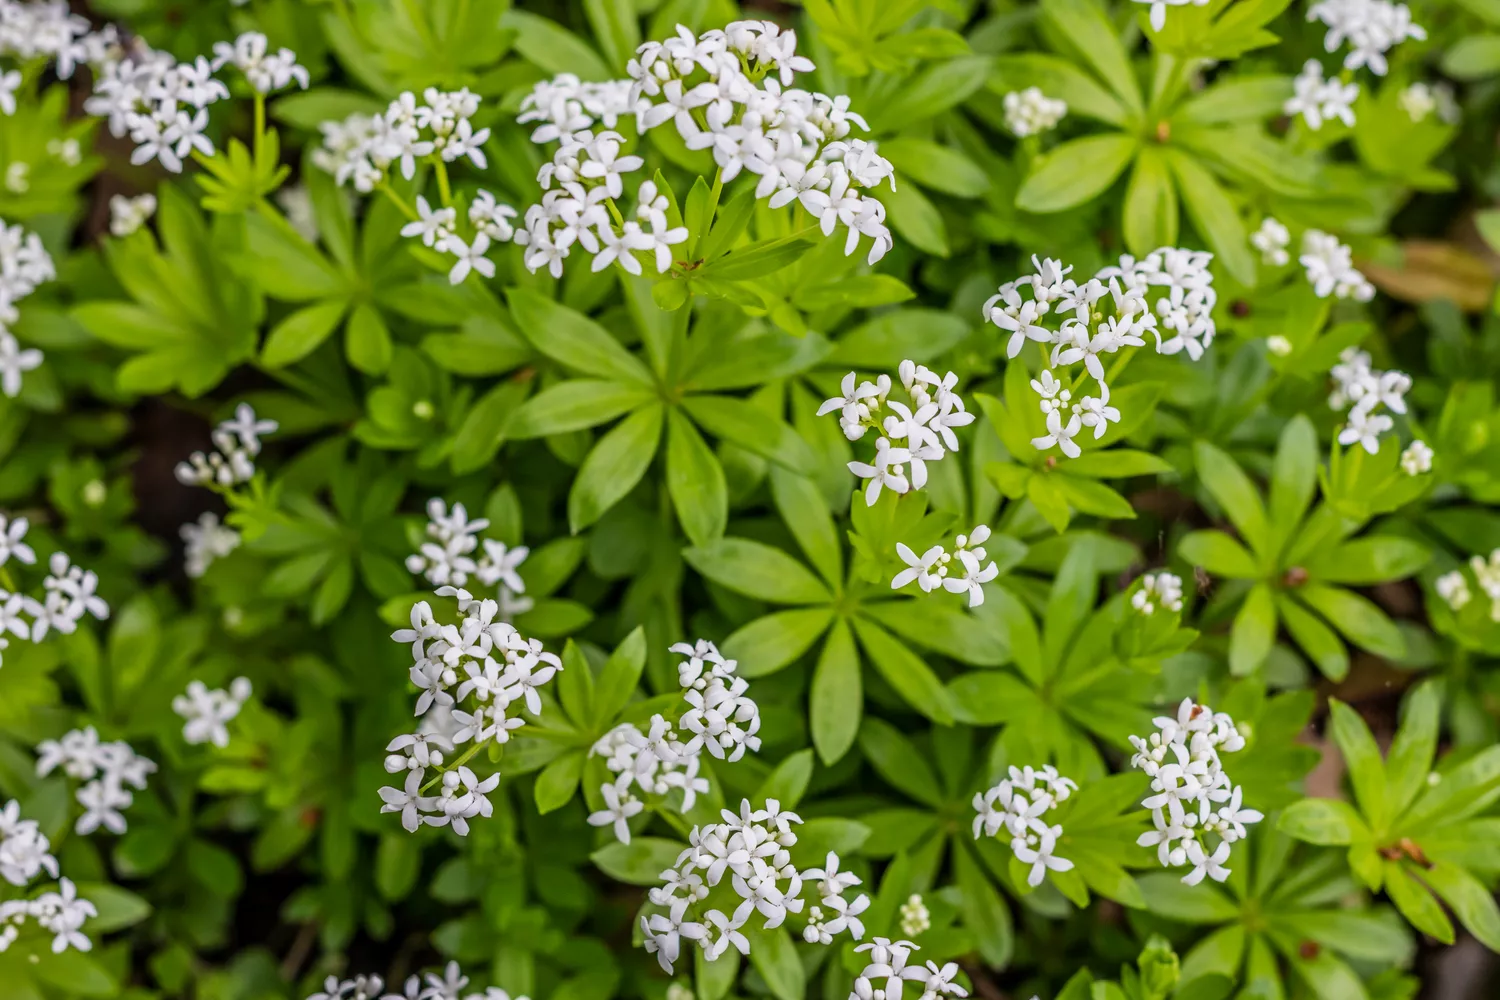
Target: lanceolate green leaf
[(1076, 171), (616, 463)]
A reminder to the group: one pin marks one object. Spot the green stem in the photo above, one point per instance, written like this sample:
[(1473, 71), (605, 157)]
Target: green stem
[(462, 760), (260, 122), (615, 211), (399, 202), (444, 191)]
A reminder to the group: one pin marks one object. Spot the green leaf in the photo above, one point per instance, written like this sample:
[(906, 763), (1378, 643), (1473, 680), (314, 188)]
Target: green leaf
[(367, 341), (1198, 904), (1370, 560), (574, 405), (988, 698), (1214, 216), (558, 781), (944, 628), (1410, 759), (1218, 553), (768, 644), (615, 26), (1234, 491), (757, 570), (775, 957), (756, 260), (1090, 497), (617, 681), (837, 695), (1076, 171), (789, 781), (916, 219), (283, 264), (554, 48), (930, 92), (1254, 631), (1366, 770), (1322, 821), (484, 428), (1416, 904), (695, 481), (1237, 100), (1083, 23), (1471, 902), (1150, 219), (1357, 618), (1294, 476), (75, 973), (1316, 639), (905, 671), (1116, 463), (616, 463), (639, 862), (890, 338), (117, 908), (297, 336), (1473, 57), (985, 912), (896, 759), (941, 168), (748, 426), (801, 506), (573, 340)]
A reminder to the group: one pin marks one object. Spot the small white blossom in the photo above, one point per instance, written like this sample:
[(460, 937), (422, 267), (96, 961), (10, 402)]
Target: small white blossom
[(1030, 111)]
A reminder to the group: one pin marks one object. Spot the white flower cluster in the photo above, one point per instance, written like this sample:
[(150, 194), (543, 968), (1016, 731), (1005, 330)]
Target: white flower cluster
[(1421, 99), (588, 171), (69, 592), (362, 148), (480, 662), (1193, 797), (205, 541), (162, 104), (1371, 27), (1364, 390), (887, 966), (1110, 311), (1159, 10), (1330, 268), (1454, 588), (105, 768), (566, 104), (751, 847), (206, 712), (1018, 805), (25, 853), (447, 560), (1318, 100), (915, 917), (721, 718), (730, 91), (24, 264), (1272, 240), (448, 986), (491, 221), (925, 427), (930, 570), (1030, 111), (237, 442), (1158, 590), (126, 215), (1417, 458), (48, 31)]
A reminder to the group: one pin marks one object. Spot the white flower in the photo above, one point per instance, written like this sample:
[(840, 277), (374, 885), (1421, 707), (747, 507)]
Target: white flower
[(205, 541), (973, 579), (1318, 100), (1060, 434), (1330, 268), (1030, 111), (1278, 345), (12, 540), (1371, 27), (471, 257), (1159, 10), (1365, 428), (207, 713), (1415, 460), (126, 215), (1158, 590), (919, 568), (15, 362), (1272, 240), (432, 226), (1204, 863), (64, 914), (618, 808), (1454, 589), (886, 472)]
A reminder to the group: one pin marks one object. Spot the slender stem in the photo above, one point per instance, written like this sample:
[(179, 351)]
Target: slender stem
[(444, 191), (614, 210), (400, 202), (718, 188), (7, 581), (260, 122)]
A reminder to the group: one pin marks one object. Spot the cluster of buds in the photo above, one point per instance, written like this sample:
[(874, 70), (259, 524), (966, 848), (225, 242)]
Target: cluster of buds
[(1158, 590), (104, 768), (69, 592), (924, 429), (1454, 587), (447, 559), (1192, 797), (236, 443)]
